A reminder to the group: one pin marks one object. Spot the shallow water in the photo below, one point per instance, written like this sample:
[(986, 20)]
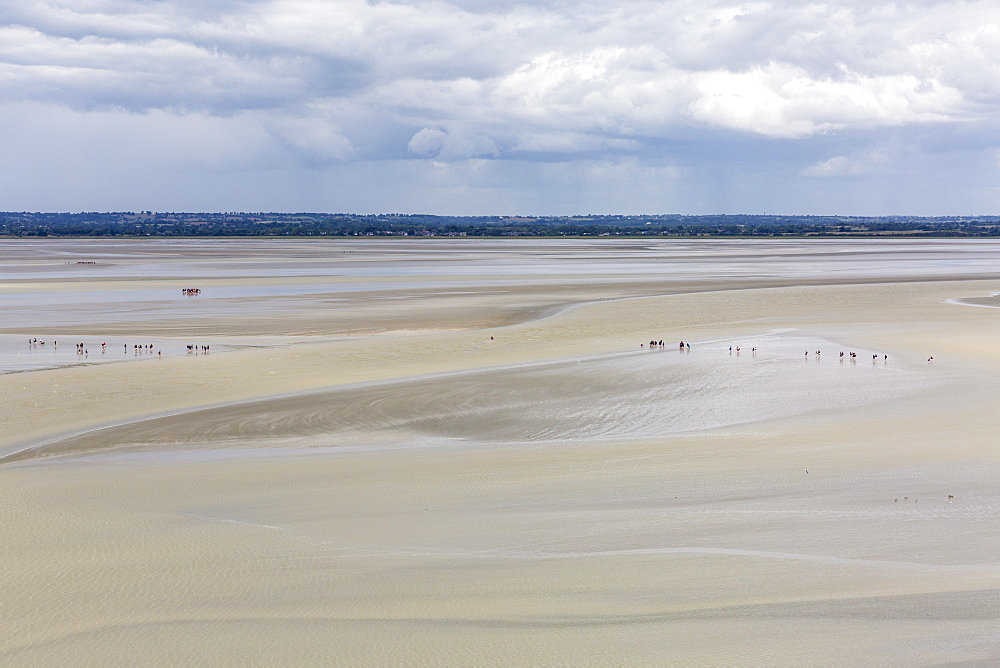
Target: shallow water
[(45, 294), (18, 354), (641, 507), (654, 393)]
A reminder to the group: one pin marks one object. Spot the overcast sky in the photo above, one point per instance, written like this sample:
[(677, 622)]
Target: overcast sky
[(485, 107)]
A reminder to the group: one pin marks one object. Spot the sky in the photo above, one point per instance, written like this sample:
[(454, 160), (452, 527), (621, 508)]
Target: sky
[(478, 107)]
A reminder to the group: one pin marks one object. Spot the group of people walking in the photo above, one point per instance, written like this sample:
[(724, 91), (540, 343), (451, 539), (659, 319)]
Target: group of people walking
[(854, 355), (659, 344), (851, 355)]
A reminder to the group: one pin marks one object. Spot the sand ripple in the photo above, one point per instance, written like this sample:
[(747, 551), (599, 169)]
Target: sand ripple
[(649, 394)]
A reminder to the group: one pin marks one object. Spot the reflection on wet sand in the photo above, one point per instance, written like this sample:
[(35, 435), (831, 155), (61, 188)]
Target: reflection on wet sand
[(617, 396), (473, 460)]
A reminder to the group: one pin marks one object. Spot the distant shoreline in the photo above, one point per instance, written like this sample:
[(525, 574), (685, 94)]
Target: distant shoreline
[(149, 224)]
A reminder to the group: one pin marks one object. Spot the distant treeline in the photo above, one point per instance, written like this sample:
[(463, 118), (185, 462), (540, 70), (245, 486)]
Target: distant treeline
[(260, 224)]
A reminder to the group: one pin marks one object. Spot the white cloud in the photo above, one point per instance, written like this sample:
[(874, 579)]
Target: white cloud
[(783, 101), (461, 145), (641, 68), (427, 142), (452, 145), (556, 141), (314, 139), (839, 165), (93, 72), (325, 82), (866, 162)]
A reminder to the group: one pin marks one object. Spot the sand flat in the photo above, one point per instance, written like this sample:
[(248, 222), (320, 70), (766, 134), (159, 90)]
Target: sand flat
[(405, 490)]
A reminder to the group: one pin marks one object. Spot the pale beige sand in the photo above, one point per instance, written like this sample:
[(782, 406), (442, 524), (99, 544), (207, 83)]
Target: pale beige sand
[(447, 520)]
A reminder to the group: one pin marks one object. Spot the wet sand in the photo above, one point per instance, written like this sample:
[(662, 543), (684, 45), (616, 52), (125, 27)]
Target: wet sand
[(366, 477)]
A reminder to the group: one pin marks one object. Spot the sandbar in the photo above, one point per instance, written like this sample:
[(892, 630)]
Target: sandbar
[(466, 452)]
